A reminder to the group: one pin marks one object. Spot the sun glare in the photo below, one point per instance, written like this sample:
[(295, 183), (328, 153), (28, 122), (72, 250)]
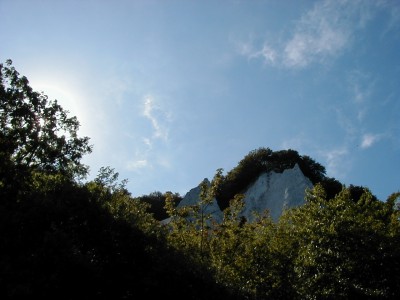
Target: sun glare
[(68, 97)]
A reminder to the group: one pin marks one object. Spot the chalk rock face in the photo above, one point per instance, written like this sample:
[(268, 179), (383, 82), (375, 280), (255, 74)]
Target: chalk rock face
[(274, 191), (193, 197)]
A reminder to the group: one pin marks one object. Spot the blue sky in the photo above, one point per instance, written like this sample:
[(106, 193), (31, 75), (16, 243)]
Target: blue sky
[(170, 91)]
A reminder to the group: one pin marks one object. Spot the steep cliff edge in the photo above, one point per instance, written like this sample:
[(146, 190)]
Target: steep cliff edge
[(272, 191)]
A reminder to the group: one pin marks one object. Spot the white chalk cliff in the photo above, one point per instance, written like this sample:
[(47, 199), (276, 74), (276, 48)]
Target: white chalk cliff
[(193, 197), (274, 191), (271, 191)]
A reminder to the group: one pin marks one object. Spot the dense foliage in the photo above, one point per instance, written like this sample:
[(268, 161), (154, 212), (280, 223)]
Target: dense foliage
[(156, 201), (338, 248), (36, 134), (63, 238), (265, 160)]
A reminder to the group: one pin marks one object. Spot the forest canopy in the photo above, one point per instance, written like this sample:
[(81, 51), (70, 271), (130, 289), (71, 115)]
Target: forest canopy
[(36, 133), (66, 238)]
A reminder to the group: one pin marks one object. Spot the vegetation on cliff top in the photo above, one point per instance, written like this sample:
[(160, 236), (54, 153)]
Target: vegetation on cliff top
[(67, 238)]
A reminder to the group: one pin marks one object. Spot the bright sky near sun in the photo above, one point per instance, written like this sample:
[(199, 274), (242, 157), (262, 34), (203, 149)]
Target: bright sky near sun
[(170, 91)]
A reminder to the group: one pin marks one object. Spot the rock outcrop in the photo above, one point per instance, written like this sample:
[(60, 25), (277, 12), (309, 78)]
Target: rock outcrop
[(193, 197), (271, 191), (274, 191)]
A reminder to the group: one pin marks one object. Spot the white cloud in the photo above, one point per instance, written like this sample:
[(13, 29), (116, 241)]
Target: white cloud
[(368, 140), (245, 48), (337, 162), (320, 34), (151, 151), (147, 142), (137, 164), (156, 116), (305, 48), (266, 52)]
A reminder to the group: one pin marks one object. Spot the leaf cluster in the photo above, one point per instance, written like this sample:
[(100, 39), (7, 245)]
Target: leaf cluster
[(156, 201), (346, 247), (35, 133)]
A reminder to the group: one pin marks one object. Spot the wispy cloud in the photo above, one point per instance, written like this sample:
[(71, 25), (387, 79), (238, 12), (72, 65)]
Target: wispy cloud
[(157, 117), (266, 52), (137, 164), (147, 142), (393, 9), (141, 159), (337, 161), (300, 142), (336, 158), (361, 89), (150, 151), (361, 85), (245, 48), (368, 140), (345, 120), (313, 43), (322, 33)]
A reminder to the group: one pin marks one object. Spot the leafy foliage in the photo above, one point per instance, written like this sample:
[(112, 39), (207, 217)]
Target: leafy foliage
[(156, 201), (35, 133), (345, 248), (341, 248), (65, 239)]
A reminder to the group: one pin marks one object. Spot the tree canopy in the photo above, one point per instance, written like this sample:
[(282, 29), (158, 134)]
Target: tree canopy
[(36, 133), (265, 160), (63, 238)]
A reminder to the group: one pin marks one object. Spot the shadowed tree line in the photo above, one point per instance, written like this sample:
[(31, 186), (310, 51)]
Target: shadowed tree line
[(66, 238)]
